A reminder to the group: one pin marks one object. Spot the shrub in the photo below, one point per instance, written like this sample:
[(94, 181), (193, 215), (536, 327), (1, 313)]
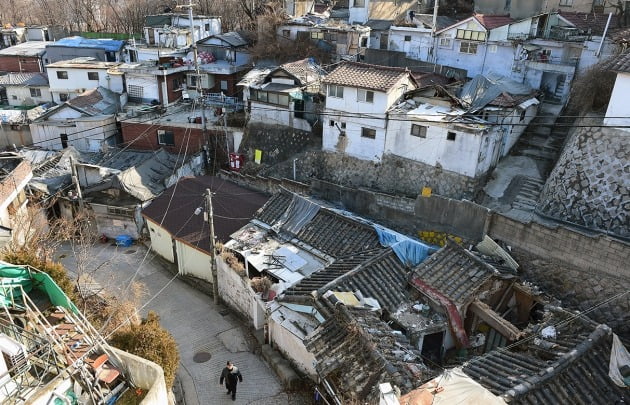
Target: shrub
[(151, 341)]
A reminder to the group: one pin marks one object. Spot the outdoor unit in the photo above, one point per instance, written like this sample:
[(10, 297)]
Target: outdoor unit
[(14, 354)]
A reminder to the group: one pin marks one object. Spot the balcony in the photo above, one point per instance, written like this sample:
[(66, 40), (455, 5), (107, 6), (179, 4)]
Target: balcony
[(231, 104)]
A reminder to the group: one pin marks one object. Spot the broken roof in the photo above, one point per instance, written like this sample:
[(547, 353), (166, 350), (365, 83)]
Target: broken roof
[(568, 363), (593, 22), (493, 89), (619, 63), (363, 75), (175, 209), (305, 71), (98, 101), (24, 79)]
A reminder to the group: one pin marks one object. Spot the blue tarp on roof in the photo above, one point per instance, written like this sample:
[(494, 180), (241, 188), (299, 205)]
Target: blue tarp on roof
[(410, 252), (109, 45)]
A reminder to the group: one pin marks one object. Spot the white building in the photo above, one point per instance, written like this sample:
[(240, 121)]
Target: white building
[(70, 78), (26, 89), (87, 122), (286, 95), (618, 112), (358, 97)]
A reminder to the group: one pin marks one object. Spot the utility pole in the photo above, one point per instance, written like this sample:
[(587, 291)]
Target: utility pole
[(213, 265), (75, 180), (436, 4)]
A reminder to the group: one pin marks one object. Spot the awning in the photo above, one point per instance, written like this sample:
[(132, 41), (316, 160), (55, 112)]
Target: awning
[(526, 104)]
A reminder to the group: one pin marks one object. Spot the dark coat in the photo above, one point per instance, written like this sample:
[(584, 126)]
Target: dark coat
[(231, 376)]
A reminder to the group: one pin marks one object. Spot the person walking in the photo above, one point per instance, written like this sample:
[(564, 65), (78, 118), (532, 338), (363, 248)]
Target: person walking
[(231, 375)]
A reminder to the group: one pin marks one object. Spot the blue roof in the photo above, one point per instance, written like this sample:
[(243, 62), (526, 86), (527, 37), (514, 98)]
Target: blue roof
[(110, 45)]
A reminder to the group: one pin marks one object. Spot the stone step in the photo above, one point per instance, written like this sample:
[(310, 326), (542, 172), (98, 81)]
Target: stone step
[(281, 366)]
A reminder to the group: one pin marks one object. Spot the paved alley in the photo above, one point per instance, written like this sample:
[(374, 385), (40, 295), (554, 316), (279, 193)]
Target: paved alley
[(199, 326)]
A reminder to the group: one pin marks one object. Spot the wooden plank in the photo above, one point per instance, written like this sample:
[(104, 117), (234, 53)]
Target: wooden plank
[(505, 328)]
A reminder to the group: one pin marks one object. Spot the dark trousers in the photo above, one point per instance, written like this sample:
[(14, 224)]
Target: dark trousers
[(231, 388)]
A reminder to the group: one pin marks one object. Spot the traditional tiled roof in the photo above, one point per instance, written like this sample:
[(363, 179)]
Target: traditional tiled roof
[(363, 75), (571, 367), (455, 273), (620, 63), (275, 207), (355, 350), (24, 79), (595, 22), (175, 209), (96, 101), (304, 70), (490, 22), (337, 235)]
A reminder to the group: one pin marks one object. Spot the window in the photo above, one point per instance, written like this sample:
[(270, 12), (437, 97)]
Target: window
[(271, 98), (165, 137), (523, 115), (64, 140), (419, 131), (368, 133), (62, 74), (471, 35), (567, 3), (364, 42), (492, 48), (445, 43), (407, 38), (331, 123), (207, 27), (450, 136), (335, 91), (135, 92), (224, 85), (359, 3), (36, 92), (365, 96), (286, 33), (330, 36), (317, 35), (14, 97), (92, 75), (192, 80), (63, 96), (343, 125), (468, 47), (177, 84)]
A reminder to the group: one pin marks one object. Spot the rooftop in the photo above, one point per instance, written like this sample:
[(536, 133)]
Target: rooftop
[(490, 22), (593, 22), (83, 63), (362, 75), (175, 209), (98, 101), (619, 63), (232, 38), (29, 48), (24, 79), (109, 45)]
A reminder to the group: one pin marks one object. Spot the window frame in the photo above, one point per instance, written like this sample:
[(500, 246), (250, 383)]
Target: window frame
[(164, 136), (445, 42), (451, 136), (92, 74), (64, 97), (369, 133), (469, 45), (337, 92), (365, 96), (35, 92), (358, 4), (62, 74), (419, 131), (471, 35)]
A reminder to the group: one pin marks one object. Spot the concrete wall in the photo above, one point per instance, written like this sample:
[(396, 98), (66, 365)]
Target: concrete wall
[(618, 112), (87, 134), (146, 375), (18, 135), (112, 225), (193, 262), (418, 45), (78, 80), (21, 95), (292, 347), (236, 292), (161, 242)]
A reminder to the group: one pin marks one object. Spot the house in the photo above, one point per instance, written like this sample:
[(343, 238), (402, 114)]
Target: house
[(224, 59), (361, 11), (414, 35), (342, 41), (14, 125), (169, 35), (87, 122), (177, 228), (527, 8), (24, 57), (618, 109), (25, 89), (44, 330), (70, 78), (358, 96), (123, 181), (287, 95), (16, 173), (103, 50), (152, 82)]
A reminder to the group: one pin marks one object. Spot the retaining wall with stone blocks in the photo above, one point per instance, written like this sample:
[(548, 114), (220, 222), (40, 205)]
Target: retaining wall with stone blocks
[(590, 184), (278, 143)]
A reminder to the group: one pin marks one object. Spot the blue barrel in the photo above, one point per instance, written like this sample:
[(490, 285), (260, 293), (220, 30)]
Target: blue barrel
[(124, 240)]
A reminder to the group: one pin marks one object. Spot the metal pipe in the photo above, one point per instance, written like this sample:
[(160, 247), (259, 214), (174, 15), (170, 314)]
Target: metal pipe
[(601, 44)]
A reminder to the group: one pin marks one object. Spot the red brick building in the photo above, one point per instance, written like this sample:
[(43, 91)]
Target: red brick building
[(24, 57), (174, 138)]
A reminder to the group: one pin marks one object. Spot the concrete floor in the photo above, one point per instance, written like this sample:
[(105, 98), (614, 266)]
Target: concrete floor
[(194, 321)]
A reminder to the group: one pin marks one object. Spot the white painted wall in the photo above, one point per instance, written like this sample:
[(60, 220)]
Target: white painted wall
[(459, 156), (277, 115), (618, 105), (416, 48), (78, 80), (20, 95), (149, 84), (87, 134), (358, 15), (161, 242), (193, 262), (292, 347), (5, 219), (236, 292)]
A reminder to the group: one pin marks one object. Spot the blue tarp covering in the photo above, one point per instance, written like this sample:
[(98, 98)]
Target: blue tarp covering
[(109, 45), (410, 252)]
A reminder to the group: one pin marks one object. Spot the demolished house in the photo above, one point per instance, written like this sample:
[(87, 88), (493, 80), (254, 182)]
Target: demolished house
[(353, 305)]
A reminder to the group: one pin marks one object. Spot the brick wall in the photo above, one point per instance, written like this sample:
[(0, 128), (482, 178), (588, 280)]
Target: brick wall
[(173, 95), (10, 63), (144, 136), (10, 182)]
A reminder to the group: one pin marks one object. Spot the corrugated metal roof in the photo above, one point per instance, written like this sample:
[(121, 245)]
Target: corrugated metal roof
[(24, 79), (109, 45), (29, 48)]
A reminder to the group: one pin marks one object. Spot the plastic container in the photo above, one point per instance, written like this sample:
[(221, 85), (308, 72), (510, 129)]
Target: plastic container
[(124, 240)]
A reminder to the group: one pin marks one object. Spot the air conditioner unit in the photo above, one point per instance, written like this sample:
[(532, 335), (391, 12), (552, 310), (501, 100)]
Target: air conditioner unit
[(14, 354)]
